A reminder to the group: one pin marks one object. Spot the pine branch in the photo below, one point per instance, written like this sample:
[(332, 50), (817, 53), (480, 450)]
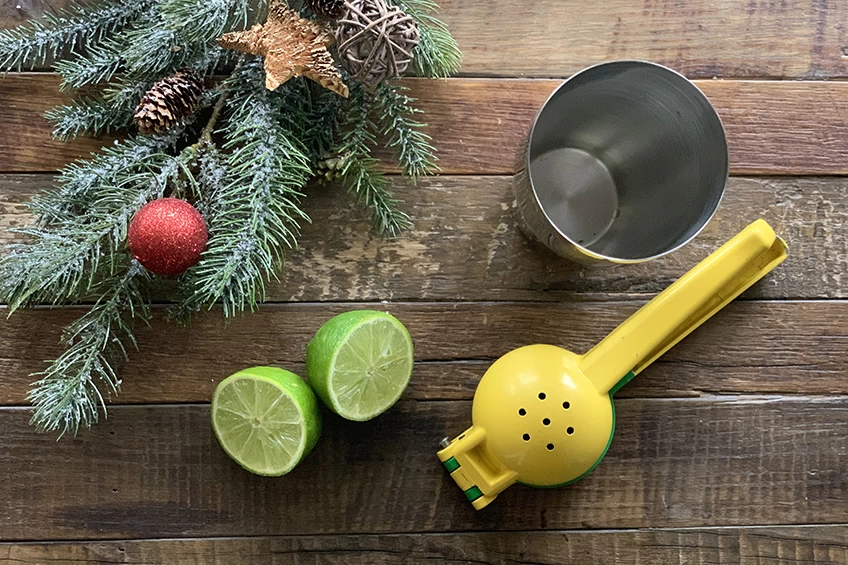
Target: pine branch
[(94, 115), (253, 211), (79, 252), (113, 108), (61, 262), (211, 59), (204, 20), (152, 49), (83, 224), (204, 157), (217, 110), (100, 113), (293, 109), (83, 182), (323, 120), (33, 43), (360, 169), (70, 392), (211, 176), (364, 179), (99, 63), (412, 147), (437, 54), (56, 265)]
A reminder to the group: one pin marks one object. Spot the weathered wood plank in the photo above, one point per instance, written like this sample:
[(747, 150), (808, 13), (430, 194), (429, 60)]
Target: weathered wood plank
[(13, 13), (757, 347), (478, 124), (26, 142), (466, 245), (788, 545), (157, 471), (726, 38)]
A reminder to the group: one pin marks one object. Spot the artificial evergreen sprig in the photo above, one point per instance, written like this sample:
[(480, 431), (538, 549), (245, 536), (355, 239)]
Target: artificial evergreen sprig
[(94, 115), (84, 182), (78, 27), (322, 117), (403, 132), (256, 212), (360, 169), (204, 21), (246, 170), (437, 54), (78, 255), (98, 63), (70, 392), (63, 259)]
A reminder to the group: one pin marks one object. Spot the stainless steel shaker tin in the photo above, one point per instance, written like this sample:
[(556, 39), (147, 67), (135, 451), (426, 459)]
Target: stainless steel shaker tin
[(625, 162)]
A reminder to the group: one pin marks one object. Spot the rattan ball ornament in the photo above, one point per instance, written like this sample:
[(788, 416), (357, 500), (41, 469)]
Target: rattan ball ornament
[(375, 41)]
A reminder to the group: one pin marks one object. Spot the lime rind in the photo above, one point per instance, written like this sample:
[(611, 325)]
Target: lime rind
[(265, 419)]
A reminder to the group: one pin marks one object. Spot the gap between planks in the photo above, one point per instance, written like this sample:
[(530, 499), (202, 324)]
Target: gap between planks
[(820, 545), (444, 533)]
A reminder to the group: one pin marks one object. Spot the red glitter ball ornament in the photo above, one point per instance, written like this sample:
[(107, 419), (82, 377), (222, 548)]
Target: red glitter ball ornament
[(167, 236)]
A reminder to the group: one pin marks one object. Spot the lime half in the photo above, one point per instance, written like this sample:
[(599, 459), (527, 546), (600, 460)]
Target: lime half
[(359, 363), (266, 419)]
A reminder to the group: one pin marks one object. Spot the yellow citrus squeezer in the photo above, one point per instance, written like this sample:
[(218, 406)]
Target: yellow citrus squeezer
[(544, 416)]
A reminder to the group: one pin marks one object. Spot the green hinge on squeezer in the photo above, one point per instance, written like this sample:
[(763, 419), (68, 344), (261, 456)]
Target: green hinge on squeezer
[(544, 416)]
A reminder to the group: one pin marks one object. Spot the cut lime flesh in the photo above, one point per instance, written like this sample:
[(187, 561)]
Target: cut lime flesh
[(360, 363), (266, 419)]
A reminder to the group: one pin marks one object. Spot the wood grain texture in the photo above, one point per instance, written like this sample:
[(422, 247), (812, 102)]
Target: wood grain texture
[(157, 471), (478, 124), (26, 141), (16, 12), (753, 347), (811, 545), (726, 38), (689, 458), (466, 245)]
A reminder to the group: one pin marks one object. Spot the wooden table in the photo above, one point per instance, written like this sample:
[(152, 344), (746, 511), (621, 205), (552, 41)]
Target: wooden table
[(732, 449)]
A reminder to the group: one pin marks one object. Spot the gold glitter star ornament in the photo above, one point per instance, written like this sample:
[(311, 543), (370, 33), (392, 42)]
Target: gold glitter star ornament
[(292, 46)]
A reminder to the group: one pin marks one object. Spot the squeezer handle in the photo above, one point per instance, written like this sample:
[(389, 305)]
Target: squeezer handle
[(685, 305), (480, 476)]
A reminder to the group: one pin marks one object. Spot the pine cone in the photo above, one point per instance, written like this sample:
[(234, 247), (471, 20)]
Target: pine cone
[(329, 9), (329, 168), (169, 102)]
